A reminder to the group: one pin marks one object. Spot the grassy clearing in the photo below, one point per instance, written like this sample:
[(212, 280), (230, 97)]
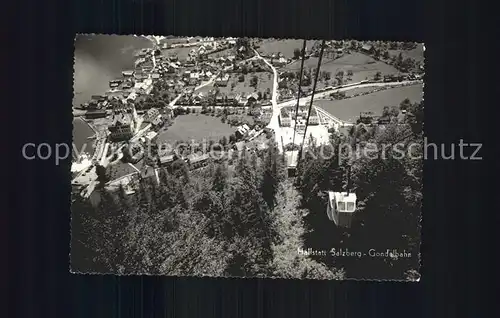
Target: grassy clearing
[(311, 63), (417, 53), (195, 127), (223, 53), (349, 109)]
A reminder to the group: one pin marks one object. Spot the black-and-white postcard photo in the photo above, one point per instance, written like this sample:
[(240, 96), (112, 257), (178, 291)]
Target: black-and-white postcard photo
[(247, 157)]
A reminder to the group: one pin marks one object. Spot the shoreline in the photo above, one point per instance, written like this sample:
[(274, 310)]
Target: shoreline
[(88, 140)]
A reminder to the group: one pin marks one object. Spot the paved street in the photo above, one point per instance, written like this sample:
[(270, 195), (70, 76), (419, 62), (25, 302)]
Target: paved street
[(274, 123)]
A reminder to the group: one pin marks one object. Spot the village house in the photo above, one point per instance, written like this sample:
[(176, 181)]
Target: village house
[(115, 83), (157, 122), (241, 131), (151, 136), (128, 74), (198, 161), (198, 98), (98, 98), (367, 48), (266, 116), (280, 62), (252, 98), (241, 99), (189, 62), (366, 117), (239, 146), (314, 120), (166, 160), (131, 97), (167, 112), (127, 84), (219, 99), (171, 68), (138, 75), (194, 78), (202, 50), (138, 85), (208, 75), (231, 98), (222, 80), (384, 120), (146, 69)]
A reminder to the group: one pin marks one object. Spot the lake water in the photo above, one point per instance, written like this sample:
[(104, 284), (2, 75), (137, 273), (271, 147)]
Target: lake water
[(99, 59)]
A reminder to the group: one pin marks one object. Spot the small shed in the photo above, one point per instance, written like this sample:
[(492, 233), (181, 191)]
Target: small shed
[(367, 48)]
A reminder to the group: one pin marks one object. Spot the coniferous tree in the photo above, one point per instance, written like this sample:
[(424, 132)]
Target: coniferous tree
[(123, 199), (219, 181), (271, 176), (108, 232)]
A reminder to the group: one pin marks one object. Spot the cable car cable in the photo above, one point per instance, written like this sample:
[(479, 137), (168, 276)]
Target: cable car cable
[(312, 95), (300, 89)]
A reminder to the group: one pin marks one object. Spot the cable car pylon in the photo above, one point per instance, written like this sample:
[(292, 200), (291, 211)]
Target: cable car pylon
[(292, 162)]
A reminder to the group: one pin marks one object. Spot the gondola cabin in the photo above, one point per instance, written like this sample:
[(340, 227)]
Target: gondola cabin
[(341, 208)]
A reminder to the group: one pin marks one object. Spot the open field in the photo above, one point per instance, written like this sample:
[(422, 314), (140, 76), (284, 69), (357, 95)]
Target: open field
[(417, 54), (121, 169), (361, 90), (285, 47), (311, 62), (362, 66), (197, 127), (223, 53), (263, 83), (174, 40), (349, 109)]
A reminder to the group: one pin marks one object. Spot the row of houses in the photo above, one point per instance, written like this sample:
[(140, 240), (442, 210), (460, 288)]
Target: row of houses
[(193, 161), (218, 99)]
